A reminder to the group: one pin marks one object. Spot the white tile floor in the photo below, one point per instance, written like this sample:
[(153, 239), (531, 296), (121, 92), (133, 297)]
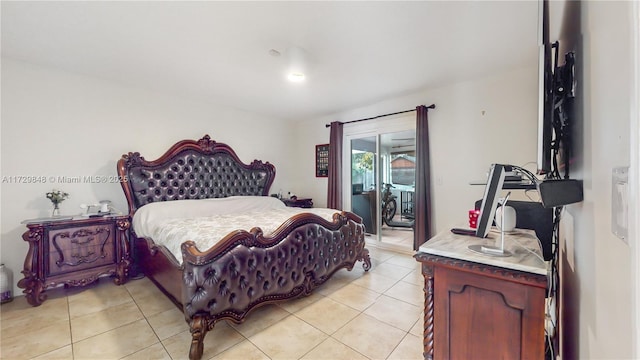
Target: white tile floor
[(355, 315), (402, 238)]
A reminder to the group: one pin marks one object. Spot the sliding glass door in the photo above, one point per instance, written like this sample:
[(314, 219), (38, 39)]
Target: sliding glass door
[(397, 178), (382, 182), (364, 166)]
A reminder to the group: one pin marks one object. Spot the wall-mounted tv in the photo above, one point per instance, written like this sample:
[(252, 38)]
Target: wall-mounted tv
[(557, 87), (545, 95)]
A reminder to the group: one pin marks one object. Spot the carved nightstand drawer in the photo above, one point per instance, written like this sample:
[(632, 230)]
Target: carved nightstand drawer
[(78, 248), (74, 252)]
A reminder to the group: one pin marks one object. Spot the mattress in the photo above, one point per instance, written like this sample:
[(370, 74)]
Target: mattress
[(207, 221)]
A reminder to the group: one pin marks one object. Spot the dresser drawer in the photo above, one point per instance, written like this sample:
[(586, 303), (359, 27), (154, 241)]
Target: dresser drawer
[(79, 248)]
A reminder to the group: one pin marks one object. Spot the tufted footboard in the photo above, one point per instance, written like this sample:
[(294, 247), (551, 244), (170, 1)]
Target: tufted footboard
[(249, 270)]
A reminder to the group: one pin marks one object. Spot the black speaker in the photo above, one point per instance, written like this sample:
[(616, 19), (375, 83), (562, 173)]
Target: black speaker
[(560, 192), (533, 216)]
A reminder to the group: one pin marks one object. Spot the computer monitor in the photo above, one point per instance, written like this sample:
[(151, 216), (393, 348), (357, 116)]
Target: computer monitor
[(490, 199), (487, 212)]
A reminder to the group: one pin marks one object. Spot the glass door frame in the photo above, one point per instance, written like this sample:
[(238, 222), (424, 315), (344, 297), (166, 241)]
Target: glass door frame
[(346, 170), (370, 128)]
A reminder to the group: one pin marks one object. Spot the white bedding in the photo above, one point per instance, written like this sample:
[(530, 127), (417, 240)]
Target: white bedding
[(170, 223)]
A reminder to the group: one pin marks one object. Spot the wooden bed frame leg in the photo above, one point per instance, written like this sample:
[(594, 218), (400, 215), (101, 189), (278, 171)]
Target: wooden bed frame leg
[(198, 328), (366, 260)]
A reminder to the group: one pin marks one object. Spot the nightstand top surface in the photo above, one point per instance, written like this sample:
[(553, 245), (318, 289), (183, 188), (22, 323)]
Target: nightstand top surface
[(67, 218)]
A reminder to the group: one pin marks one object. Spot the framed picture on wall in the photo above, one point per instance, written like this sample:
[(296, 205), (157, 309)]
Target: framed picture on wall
[(322, 160)]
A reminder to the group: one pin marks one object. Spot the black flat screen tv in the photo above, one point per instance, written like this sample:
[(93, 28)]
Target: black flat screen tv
[(559, 132), (545, 92)]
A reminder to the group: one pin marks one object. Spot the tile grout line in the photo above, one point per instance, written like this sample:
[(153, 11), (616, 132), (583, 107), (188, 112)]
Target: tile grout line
[(73, 355), (398, 344), (144, 316)]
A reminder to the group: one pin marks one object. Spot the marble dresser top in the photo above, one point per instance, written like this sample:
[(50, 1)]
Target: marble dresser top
[(457, 246)]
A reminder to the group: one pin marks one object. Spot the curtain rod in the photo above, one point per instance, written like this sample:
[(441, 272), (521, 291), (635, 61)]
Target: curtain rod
[(432, 106)]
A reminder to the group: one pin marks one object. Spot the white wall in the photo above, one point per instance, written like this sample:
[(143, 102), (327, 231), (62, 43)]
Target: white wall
[(634, 171), (598, 277), (61, 124), (464, 140)]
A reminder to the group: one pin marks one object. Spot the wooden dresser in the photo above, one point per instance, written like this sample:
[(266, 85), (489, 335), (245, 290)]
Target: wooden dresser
[(483, 307), (74, 252)]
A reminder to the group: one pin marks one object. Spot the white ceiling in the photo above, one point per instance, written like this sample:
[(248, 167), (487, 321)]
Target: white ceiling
[(359, 52)]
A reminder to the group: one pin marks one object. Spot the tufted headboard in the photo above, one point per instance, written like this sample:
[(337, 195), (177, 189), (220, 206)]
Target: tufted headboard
[(192, 170)]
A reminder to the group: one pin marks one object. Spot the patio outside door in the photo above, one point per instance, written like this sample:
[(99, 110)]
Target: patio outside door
[(382, 173), (364, 164)]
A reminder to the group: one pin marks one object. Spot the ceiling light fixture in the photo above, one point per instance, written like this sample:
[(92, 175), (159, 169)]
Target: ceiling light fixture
[(297, 64), (296, 76)]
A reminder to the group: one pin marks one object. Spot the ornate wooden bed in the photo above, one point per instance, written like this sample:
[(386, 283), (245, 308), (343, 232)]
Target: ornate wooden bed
[(245, 269)]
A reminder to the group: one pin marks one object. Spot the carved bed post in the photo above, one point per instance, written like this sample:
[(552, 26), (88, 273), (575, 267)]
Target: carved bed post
[(198, 327), (124, 260), (427, 271)]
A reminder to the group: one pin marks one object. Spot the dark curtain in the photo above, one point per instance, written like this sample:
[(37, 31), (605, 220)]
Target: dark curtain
[(422, 227), (334, 196)]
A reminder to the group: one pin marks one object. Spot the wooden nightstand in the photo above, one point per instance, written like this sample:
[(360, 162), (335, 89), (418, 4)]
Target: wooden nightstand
[(298, 202), (74, 252)]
